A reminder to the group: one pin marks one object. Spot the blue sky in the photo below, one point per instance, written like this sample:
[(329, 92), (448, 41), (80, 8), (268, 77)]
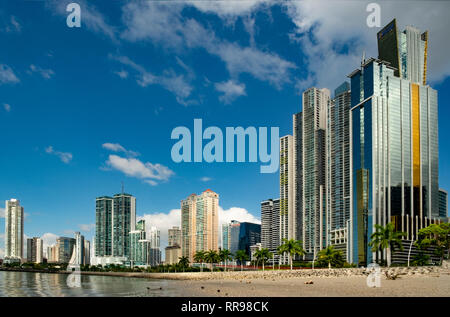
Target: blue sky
[(83, 109)]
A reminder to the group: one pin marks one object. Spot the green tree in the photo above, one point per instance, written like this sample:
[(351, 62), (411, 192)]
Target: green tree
[(212, 257), (420, 259), (330, 256), (386, 238), (262, 255), (291, 247), (437, 235), (225, 256), (241, 256), (199, 257), (183, 262)]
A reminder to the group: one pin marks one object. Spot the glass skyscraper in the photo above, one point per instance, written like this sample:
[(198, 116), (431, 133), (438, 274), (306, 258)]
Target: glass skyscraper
[(338, 168), (115, 218), (394, 141), (313, 143), (270, 226)]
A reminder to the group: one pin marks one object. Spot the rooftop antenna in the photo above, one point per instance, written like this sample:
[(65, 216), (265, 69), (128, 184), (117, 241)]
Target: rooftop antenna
[(122, 187), (363, 58)]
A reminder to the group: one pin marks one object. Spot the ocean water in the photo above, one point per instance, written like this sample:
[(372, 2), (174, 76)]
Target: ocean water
[(18, 284)]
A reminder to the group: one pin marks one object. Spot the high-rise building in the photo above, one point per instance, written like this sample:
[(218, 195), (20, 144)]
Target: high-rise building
[(174, 236), (139, 246), (234, 232), (242, 235), (443, 204), (199, 223), (287, 203), (154, 246), (313, 176), (338, 168), (297, 121), (52, 254), (65, 247), (87, 252), (115, 218), (394, 141), (270, 226), (225, 236), (14, 217), (78, 253), (173, 254), (35, 250)]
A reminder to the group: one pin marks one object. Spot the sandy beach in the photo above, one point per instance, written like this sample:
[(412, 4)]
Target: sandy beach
[(422, 286)]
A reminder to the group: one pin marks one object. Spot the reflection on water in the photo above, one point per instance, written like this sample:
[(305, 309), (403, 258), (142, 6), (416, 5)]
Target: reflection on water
[(45, 284)]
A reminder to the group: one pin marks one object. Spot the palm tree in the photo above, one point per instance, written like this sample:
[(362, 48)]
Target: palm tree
[(291, 247), (183, 262), (241, 256), (386, 238), (331, 256), (263, 255), (199, 257), (212, 257), (225, 255)]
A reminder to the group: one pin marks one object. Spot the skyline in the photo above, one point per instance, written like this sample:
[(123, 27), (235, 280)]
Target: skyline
[(52, 160)]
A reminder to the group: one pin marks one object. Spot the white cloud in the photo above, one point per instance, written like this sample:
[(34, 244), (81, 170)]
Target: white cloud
[(236, 213), (122, 74), (48, 239), (230, 91), (334, 34), (178, 84), (7, 75), (7, 107), (205, 179), (2, 212), (164, 24), (116, 147), (45, 73), (15, 23), (228, 8), (65, 157), (87, 227), (148, 172), (12, 26)]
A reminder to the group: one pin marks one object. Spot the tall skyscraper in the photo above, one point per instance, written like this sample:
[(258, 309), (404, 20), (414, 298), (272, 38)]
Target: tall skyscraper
[(338, 168), (313, 140), (287, 203), (115, 219), (65, 247), (87, 252), (234, 235), (52, 254), (443, 204), (174, 236), (139, 245), (297, 121), (225, 236), (394, 141), (78, 256), (270, 226), (35, 250), (154, 250), (14, 217), (199, 223)]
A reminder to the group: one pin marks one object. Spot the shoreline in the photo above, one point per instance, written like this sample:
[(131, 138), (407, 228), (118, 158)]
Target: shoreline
[(267, 274), (413, 281)]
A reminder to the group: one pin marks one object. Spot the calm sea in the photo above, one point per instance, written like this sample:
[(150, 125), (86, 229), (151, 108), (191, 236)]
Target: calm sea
[(44, 284)]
